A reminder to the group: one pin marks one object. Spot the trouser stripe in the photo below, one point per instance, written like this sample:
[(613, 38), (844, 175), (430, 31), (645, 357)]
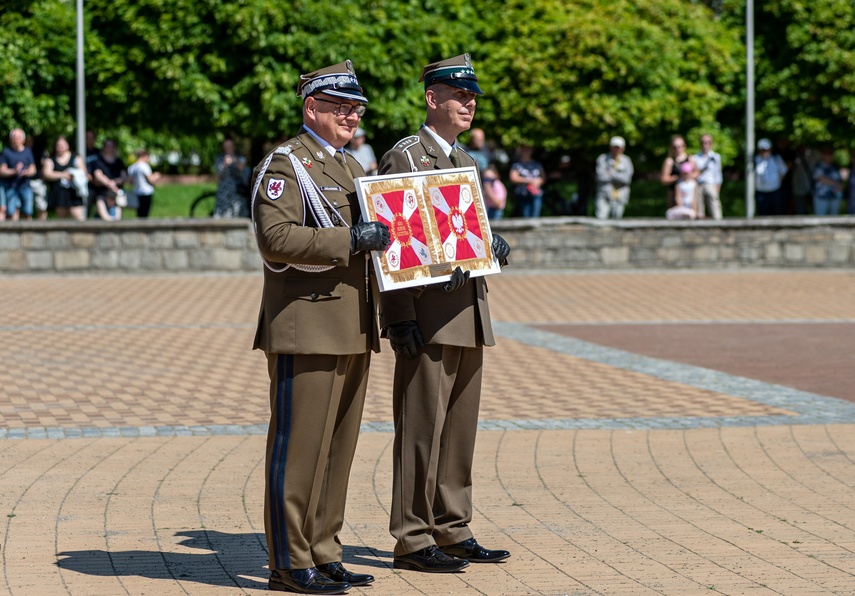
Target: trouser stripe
[(279, 455)]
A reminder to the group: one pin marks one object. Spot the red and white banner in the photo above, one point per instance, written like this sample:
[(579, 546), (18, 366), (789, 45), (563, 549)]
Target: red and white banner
[(437, 222)]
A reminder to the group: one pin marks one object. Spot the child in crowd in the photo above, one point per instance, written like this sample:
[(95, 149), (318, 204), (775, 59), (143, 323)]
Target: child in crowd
[(143, 182), (686, 196), (108, 208)]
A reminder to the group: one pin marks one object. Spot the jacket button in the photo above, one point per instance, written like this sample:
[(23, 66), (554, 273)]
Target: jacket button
[(335, 203), (314, 295), (334, 261)]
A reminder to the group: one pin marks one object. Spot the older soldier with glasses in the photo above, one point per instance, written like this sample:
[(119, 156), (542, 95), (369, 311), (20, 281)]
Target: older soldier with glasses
[(317, 327), (438, 334)]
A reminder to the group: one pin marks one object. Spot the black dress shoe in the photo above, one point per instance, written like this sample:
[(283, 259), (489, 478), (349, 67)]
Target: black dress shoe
[(337, 572), (305, 581), (430, 560), (474, 552)]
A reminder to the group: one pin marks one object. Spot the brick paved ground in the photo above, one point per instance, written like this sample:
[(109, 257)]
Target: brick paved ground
[(632, 439)]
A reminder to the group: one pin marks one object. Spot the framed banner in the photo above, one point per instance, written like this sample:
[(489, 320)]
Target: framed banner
[(437, 222)]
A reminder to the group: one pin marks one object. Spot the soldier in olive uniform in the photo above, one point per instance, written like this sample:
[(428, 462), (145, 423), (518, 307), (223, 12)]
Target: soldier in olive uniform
[(438, 333), (317, 327)]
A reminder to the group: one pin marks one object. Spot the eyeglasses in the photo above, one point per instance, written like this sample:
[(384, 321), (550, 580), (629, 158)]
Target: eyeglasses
[(345, 109)]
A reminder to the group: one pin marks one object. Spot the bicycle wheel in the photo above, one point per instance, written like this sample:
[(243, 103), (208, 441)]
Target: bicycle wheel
[(203, 205)]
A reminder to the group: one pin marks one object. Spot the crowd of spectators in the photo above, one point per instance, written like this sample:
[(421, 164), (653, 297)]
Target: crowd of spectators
[(800, 181), (72, 186), (788, 181)]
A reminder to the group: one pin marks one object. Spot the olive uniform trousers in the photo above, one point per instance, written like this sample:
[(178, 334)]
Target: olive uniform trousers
[(435, 404), (316, 406)]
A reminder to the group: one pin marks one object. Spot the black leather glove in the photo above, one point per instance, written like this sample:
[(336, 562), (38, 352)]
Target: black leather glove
[(501, 249), (406, 339), (457, 281), (368, 235)]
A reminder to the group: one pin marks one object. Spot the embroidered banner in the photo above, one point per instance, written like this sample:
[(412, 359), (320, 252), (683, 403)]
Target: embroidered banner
[(437, 222)]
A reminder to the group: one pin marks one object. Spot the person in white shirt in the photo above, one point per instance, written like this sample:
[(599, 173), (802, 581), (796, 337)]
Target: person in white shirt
[(363, 152), (769, 172), (708, 163), (143, 180)]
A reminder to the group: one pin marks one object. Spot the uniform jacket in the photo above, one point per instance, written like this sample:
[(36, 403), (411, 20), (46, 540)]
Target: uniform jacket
[(328, 312), (459, 318)]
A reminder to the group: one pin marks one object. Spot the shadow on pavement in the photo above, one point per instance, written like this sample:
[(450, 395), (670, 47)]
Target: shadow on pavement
[(232, 560)]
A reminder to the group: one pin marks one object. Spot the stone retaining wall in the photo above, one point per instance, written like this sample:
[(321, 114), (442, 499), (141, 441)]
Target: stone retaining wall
[(585, 243), (184, 245), (128, 246)]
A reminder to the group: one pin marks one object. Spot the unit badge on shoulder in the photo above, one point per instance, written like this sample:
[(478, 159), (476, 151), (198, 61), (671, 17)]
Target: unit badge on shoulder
[(275, 186), (407, 142)]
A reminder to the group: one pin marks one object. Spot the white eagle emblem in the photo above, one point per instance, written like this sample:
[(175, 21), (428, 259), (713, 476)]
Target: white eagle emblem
[(457, 222)]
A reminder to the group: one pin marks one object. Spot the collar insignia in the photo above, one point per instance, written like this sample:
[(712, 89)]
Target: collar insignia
[(307, 162), (425, 160)]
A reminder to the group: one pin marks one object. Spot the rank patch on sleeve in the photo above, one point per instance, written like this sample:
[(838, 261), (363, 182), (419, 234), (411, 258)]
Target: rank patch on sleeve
[(275, 186)]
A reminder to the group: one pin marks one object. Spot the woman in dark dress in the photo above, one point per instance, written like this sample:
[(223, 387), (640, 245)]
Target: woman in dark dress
[(55, 170)]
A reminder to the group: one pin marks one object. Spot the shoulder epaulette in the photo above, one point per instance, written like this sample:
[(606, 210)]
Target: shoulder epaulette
[(407, 142), (287, 147)]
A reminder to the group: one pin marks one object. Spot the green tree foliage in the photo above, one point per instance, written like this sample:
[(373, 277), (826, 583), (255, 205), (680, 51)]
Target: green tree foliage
[(222, 67), (183, 73), (805, 84), (574, 74), (37, 68)]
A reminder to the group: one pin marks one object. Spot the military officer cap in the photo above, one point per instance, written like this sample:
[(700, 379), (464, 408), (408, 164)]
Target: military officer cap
[(456, 72), (338, 80)]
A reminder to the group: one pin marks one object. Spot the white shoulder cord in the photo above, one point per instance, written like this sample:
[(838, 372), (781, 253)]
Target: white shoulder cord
[(410, 158), (311, 196)]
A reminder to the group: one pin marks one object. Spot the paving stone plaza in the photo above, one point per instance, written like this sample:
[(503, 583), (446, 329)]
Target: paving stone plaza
[(681, 432)]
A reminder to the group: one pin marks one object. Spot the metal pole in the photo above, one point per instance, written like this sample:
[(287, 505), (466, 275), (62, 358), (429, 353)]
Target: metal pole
[(81, 86), (749, 109)]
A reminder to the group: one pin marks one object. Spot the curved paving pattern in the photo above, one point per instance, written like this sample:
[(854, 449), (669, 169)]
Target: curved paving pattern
[(134, 414)]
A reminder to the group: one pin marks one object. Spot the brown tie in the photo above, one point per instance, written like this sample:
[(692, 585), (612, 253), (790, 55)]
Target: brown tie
[(455, 159)]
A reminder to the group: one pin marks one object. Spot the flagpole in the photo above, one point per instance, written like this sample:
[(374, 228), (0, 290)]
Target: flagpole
[(81, 86), (749, 109)]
